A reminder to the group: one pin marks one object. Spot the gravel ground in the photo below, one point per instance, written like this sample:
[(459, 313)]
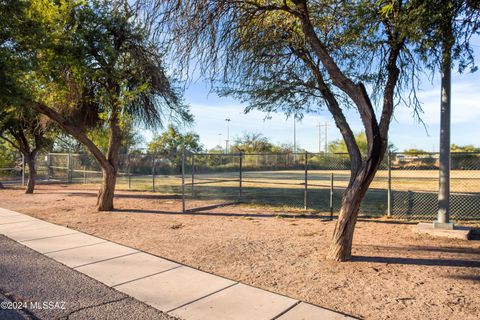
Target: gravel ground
[(395, 273), (62, 293)]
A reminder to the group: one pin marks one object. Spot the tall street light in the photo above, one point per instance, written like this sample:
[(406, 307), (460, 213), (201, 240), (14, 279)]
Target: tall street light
[(228, 135), (295, 134)]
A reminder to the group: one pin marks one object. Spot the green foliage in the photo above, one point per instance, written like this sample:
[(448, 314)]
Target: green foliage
[(465, 148), (427, 29), (339, 146), (414, 151), (171, 142), (96, 63), (107, 67), (252, 142), (8, 157)]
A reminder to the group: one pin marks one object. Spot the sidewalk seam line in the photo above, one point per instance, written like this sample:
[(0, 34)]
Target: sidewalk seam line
[(86, 264), (82, 246), (2, 224), (286, 310), (203, 297), (141, 278), (61, 235)]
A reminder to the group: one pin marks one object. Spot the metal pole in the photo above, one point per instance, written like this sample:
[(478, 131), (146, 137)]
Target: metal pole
[(228, 135), (326, 137), (129, 172), (305, 193), (294, 134), (153, 173), (183, 180), (331, 195), (48, 167), (23, 170), (389, 185), (319, 126), (444, 168), (69, 165), (84, 174), (240, 176), (193, 174)]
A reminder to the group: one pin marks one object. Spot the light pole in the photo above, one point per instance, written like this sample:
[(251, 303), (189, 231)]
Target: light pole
[(294, 134), (228, 135), (443, 219), (326, 137), (319, 126)]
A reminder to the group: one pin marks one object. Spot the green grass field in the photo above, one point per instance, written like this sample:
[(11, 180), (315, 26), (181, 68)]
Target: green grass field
[(412, 190)]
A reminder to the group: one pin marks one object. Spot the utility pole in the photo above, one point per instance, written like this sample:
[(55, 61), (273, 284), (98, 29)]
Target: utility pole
[(294, 134), (319, 126), (228, 135), (326, 136)]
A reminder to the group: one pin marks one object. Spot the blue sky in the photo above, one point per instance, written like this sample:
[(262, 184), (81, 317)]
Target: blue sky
[(210, 112)]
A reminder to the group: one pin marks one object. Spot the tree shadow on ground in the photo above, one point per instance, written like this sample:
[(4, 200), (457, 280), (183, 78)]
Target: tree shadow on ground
[(376, 220), (224, 214), (466, 277), (419, 261), (456, 250), (118, 195)]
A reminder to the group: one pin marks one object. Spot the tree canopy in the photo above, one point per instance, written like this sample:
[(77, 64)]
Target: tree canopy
[(92, 66), (171, 143)]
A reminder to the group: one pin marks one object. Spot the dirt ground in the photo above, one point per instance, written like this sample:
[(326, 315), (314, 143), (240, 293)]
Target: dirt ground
[(395, 274)]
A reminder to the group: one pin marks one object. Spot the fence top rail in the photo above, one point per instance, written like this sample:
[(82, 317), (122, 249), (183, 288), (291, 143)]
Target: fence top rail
[(267, 153), (264, 153)]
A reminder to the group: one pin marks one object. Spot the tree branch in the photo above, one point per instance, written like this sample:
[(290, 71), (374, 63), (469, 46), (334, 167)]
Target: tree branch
[(74, 131)]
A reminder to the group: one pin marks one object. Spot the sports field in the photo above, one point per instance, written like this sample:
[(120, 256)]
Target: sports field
[(413, 191)]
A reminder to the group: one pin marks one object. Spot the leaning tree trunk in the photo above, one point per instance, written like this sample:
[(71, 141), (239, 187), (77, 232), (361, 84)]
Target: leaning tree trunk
[(341, 245), (109, 168), (107, 190), (32, 173)]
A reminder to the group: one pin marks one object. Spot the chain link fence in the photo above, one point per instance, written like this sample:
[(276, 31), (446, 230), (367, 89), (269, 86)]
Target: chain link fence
[(404, 187)]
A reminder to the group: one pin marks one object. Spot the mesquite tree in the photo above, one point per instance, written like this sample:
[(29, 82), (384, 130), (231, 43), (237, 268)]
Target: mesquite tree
[(29, 133), (97, 67), (297, 56)]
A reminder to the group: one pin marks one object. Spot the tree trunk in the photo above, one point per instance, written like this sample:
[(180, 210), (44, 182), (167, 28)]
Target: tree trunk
[(107, 190), (32, 173), (341, 245), (108, 163)]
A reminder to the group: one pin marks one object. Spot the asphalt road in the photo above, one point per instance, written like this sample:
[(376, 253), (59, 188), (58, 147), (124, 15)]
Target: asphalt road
[(46, 289)]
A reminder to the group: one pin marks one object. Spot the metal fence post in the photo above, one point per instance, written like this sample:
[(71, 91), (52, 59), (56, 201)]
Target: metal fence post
[(193, 174), (84, 174), (129, 172), (389, 185), (69, 168), (153, 173), (240, 175), (23, 170), (305, 193), (331, 195), (183, 180), (47, 174)]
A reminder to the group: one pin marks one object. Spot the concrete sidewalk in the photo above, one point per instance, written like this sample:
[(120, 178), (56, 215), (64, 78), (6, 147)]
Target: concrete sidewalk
[(168, 286)]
